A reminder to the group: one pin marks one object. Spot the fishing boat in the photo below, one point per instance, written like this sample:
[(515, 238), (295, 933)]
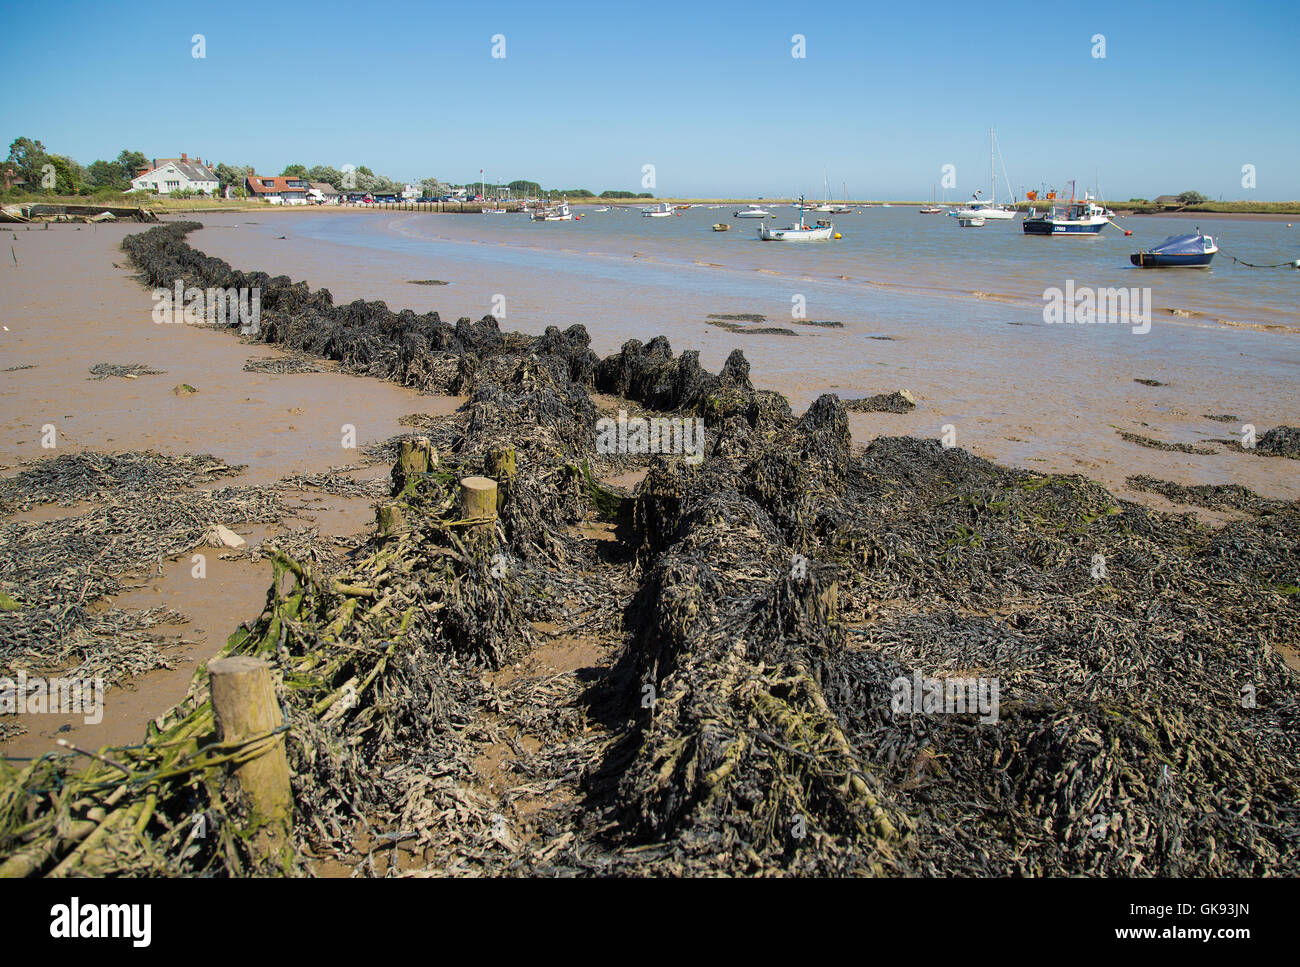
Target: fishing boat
[(1083, 219), (661, 210), (558, 213), (990, 208), (797, 233), (1191, 251), (753, 211)]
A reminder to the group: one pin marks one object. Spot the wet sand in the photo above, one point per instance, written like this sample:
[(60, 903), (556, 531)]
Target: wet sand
[(66, 307)]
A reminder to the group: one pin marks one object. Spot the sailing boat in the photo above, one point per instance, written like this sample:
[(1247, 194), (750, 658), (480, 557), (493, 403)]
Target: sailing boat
[(825, 206), (986, 209), (932, 208), (843, 209)]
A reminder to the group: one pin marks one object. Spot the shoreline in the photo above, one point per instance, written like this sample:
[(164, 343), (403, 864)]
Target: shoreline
[(640, 373)]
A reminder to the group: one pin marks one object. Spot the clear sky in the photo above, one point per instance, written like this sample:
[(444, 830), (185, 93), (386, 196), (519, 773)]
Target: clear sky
[(1188, 92)]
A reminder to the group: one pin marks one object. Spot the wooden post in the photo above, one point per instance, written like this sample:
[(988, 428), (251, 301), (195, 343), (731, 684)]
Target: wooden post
[(390, 520), (478, 499), (244, 705), (415, 458), (501, 465)]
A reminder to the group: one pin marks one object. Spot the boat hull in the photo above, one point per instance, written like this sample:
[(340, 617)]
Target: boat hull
[(820, 234), (1154, 260), (1034, 226)]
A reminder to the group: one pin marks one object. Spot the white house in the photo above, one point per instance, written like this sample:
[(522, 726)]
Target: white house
[(411, 192), (166, 175)]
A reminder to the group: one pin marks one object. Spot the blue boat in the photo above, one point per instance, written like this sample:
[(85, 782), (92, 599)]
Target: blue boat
[(1193, 251), (1081, 218)]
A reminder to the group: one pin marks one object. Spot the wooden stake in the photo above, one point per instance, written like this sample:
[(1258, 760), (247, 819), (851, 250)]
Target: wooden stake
[(245, 706), (390, 519), (478, 498), (415, 458), (501, 465)]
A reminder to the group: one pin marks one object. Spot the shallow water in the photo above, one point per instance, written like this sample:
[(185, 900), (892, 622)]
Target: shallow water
[(963, 309)]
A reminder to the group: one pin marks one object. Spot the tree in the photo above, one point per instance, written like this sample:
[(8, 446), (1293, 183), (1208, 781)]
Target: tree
[(530, 188), (67, 175), (433, 188), (1192, 198), (231, 176), (132, 162), (294, 171), (28, 157), (327, 174), (106, 174)]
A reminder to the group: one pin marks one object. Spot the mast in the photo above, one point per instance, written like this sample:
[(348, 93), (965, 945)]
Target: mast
[(993, 185)]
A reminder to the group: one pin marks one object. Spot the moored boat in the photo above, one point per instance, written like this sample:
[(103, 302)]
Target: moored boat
[(559, 213), (1191, 251), (1083, 219), (753, 211), (800, 232), (661, 210)]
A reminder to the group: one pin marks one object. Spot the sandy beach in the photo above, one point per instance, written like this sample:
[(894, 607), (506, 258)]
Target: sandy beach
[(511, 727)]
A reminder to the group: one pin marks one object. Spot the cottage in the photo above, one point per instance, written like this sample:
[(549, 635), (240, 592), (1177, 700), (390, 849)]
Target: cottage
[(323, 193), (277, 189), (1168, 201), (167, 175)]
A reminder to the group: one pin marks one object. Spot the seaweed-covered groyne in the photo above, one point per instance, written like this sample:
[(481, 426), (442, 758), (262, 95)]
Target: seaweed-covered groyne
[(789, 625)]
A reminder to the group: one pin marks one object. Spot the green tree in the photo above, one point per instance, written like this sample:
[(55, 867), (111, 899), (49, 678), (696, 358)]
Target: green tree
[(433, 188), (131, 162), (1192, 198), (531, 188), (231, 176), (294, 171), (28, 157), (107, 174), (327, 174)]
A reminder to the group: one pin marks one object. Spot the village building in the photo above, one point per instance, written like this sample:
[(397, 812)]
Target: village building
[(323, 193), (163, 176), (277, 189)]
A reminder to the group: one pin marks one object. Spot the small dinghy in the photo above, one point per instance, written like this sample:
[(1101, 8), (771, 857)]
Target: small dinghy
[(971, 221), (1192, 251), (722, 227)]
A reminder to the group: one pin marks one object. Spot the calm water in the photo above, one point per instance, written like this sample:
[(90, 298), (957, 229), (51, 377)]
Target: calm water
[(952, 314), (880, 248)]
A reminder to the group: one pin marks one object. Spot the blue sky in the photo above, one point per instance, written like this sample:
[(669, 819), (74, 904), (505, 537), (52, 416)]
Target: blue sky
[(708, 93)]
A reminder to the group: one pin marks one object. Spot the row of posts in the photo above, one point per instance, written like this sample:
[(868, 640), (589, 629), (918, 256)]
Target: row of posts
[(244, 702)]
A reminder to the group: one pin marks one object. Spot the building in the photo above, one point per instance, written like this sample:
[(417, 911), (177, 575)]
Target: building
[(411, 192), (323, 193), (166, 175), (277, 189), (1168, 201)]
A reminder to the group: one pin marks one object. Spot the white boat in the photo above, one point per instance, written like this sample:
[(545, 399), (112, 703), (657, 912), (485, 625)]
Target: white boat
[(495, 211), (559, 213), (978, 208), (601, 209), (753, 211), (661, 210), (971, 221), (797, 233)]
